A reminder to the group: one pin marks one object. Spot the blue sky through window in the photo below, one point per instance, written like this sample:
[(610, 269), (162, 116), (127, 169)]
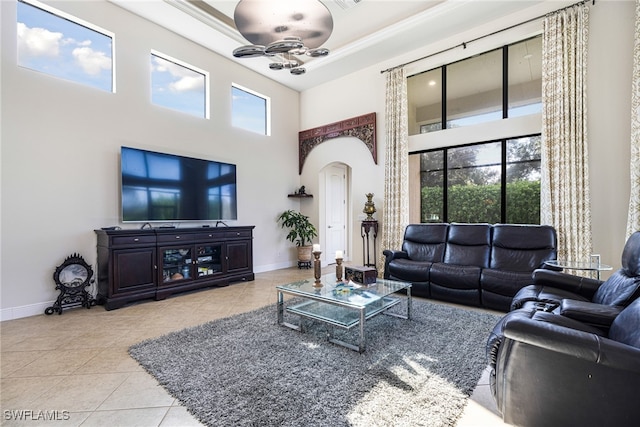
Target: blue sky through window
[(249, 111), (178, 87), (60, 47)]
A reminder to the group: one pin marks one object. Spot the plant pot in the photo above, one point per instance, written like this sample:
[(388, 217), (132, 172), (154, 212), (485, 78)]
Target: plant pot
[(304, 253)]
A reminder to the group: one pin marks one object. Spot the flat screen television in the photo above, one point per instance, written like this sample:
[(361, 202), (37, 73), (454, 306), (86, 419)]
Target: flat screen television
[(164, 187)]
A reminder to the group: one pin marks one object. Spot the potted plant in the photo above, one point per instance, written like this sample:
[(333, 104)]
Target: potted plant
[(301, 232)]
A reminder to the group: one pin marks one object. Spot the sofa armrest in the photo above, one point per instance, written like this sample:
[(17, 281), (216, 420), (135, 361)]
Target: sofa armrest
[(546, 266), (390, 255), (584, 286), (551, 375), (598, 315), (578, 344)]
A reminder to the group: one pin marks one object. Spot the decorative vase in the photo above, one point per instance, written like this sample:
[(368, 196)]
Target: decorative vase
[(304, 253), (369, 207)]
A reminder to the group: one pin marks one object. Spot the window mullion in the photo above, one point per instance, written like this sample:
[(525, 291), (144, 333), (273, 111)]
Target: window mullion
[(445, 185), (444, 97), (503, 183), (505, 82)]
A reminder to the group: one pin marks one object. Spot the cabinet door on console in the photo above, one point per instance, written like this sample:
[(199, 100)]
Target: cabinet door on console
[(134, 270), (238, 256), (176, 263), (209, 259)]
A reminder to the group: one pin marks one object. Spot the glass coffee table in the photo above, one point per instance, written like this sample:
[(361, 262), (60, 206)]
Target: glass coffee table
[(341, 304)]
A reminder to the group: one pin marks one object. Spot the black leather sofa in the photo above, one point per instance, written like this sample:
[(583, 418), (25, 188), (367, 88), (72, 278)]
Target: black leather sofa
[(474, 264), (553, 370)]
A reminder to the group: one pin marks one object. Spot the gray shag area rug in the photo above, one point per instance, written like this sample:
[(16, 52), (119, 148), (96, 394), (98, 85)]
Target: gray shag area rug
[(246, 370)]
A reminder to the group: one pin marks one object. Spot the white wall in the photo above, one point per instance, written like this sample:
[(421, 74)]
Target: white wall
[(351, 96), (609, 83), (61, 142), (609, 123)]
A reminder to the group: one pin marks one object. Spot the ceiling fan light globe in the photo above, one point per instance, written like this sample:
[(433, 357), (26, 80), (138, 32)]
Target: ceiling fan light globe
[(249, 51), (318, 52), (283, 46)]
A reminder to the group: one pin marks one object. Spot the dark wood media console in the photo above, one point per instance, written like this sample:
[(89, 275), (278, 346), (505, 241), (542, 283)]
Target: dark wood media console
[(140, 264)]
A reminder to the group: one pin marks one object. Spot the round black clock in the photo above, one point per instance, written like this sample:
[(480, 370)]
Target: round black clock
[(72, 278)]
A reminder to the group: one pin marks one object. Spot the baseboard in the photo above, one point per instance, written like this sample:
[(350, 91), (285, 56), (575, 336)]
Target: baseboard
[(271, 267), (12, 313)]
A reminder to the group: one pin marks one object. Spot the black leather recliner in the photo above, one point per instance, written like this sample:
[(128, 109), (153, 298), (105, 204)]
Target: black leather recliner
[(467, 252), (553, 370), (556, 289), (516, 251), (423, 245)]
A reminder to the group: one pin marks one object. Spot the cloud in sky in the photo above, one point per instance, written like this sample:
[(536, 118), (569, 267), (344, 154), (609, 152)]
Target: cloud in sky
[(183, 79), (38, 41), (53, 52), (91, 61)]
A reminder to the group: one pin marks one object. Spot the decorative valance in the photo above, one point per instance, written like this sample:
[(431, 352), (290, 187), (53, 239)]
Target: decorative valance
[(361, 127)]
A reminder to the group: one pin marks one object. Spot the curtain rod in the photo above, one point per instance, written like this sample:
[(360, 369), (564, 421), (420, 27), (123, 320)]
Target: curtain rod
[(464, 44)]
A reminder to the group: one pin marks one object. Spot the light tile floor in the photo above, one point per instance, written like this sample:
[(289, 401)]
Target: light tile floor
[(75, 366)]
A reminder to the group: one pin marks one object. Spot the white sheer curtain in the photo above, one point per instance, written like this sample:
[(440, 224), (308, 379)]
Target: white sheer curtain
[(565, 195), (395, 211), (633, 222)]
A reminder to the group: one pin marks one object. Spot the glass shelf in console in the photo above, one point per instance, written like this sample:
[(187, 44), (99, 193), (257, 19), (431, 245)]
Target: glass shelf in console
[(176, 264), (208, 259), (339, 316)]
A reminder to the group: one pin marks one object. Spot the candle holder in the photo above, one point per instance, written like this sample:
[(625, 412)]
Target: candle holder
[(339, 269), (317, 267)]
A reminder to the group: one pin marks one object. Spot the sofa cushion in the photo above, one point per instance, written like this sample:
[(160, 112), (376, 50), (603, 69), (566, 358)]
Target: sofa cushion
[(468, 244), (543, 294), (409, 270), (498, 287), (522, 247), (503, 282), (425, 242), (455, 276), (631, 255), (599, 315), (619, 289)]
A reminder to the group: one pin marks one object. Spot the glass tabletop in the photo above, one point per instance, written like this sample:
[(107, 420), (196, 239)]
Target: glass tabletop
[(579, 265), (345, 293)]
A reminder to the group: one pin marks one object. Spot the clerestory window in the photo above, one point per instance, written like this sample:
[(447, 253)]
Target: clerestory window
[(502, 83), (179, 86), (250, 110), (58, 44)]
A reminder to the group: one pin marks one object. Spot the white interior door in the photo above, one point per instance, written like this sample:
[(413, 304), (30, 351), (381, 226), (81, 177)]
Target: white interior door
[(336, 211)]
